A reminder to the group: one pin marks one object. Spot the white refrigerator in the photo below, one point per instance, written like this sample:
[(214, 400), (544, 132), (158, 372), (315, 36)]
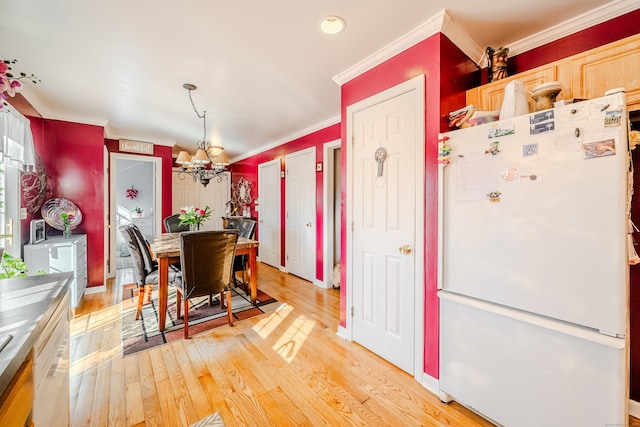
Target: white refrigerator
[(533, 267)]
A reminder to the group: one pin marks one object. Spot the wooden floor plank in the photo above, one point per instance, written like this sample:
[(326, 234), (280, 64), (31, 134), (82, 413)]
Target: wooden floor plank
[(284, 368)]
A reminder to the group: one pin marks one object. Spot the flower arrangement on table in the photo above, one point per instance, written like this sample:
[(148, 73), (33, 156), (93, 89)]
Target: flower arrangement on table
[(194, 216), (138, 211), (66, 223)]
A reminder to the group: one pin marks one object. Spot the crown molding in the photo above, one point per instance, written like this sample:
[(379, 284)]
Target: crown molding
[(418, 34), (460, 38), (304, 132)]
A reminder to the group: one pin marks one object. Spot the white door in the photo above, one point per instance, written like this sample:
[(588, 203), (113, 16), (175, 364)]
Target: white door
[(300, 227), (216, 194), (387, 201), (269, 214)]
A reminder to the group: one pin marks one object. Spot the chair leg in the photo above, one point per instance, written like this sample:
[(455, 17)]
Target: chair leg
[(140, 298), (186, 319), (148, 290), (178, 302), (229, 313), (222, 300)]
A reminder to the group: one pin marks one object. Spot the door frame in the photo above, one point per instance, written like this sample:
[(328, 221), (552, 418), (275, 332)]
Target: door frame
[(110, 232), (277, 161), (328, 207), (415, 84)]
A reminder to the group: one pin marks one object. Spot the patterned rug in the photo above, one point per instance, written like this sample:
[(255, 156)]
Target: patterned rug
[(214, 420), (143, 334)]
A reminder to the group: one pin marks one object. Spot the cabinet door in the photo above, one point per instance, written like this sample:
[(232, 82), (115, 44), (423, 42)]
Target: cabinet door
[(489, 97), (608, 68)]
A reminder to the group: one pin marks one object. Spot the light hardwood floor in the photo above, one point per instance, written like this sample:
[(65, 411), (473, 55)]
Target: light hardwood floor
[(287, 368)]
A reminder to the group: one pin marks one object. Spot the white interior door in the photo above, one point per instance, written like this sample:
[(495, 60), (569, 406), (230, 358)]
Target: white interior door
[(269, 214), (387, 201), (300, 221), (216, 194)]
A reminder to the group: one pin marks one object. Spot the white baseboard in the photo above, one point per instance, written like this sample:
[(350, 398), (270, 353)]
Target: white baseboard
[(283, 269), (342, 332), (634, 408), (321, 284), (95, 289), (431, 384)]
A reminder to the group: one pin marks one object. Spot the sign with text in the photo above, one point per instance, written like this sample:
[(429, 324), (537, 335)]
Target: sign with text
[(136, 147)]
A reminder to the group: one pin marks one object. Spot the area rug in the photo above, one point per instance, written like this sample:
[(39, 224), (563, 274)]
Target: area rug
[(143, 334), (214, 420)]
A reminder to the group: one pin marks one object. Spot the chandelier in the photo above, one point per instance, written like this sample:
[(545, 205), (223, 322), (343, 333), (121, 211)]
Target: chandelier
[(210, 161)]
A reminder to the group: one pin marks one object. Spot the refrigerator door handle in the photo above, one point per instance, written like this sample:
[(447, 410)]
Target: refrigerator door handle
[(584, 333)]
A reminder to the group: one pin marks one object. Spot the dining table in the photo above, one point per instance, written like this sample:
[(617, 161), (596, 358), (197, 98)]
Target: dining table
[(166, 250)]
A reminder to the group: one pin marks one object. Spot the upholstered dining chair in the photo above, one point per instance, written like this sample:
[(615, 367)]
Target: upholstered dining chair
[(172, 224), (207, 260), (247, 229), (146, 276)]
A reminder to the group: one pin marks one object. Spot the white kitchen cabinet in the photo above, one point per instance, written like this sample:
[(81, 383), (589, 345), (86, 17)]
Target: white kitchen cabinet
[(57, 254)]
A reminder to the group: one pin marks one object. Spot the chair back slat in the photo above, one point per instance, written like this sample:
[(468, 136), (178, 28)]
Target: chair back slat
[(134, 249)]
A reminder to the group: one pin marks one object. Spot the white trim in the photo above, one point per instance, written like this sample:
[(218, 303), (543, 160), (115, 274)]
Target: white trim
[(418, 34), (634, 408), (442, 22), (415, 84), (304, 132), (327, 210), (430, 383), (581, 22), (342, 333), (277, 161), (110, 230), (95, 290)]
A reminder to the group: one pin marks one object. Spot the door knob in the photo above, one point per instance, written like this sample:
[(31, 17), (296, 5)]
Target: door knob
[(405, 249)]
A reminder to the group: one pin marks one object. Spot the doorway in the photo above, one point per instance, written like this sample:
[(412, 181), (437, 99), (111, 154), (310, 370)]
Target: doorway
[(270, 219), (385, 211), (135, 182), (332, 195)]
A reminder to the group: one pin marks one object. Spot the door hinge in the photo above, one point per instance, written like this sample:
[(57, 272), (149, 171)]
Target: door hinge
[(353, 139), (353, 225), (351, 311)]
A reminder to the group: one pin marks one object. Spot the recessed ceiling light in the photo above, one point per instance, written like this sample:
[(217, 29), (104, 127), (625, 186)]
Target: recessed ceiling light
[(332, 25)]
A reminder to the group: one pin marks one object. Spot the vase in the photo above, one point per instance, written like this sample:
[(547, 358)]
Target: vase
[(66, 232), (194, 227)]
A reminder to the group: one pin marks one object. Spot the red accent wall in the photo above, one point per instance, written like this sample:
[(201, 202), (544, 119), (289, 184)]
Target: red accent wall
[(73, 157), (248, 168)]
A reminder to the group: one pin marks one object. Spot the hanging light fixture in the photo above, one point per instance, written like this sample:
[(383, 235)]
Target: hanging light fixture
[(210, 161)]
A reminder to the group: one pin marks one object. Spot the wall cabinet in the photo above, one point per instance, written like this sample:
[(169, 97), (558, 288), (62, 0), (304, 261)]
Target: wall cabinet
[(216, 194), (57, 254), (585, 75)]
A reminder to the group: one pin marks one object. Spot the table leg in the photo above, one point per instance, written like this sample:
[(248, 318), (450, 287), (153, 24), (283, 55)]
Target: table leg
[(253, 274), (163, 291)]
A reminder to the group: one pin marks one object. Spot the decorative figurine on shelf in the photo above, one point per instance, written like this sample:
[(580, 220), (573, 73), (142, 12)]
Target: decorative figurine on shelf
[(497, 68), (66, 223)]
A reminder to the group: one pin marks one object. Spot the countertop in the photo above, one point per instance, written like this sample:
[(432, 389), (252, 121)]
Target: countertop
[(26, 304)]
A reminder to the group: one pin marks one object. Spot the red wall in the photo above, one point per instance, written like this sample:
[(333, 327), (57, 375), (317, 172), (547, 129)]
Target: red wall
[(248, 168), (73, 157)]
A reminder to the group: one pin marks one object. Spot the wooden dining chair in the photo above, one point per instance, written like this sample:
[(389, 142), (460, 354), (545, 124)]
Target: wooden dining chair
[(206, 258)]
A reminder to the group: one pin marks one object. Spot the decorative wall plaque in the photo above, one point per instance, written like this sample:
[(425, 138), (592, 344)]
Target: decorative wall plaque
[(127, 146)]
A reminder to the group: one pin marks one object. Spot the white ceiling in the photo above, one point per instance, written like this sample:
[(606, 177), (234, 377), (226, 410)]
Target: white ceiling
[(264, 70)]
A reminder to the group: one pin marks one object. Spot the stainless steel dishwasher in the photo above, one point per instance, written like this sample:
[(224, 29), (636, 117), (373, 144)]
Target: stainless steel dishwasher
[(51, 369)]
